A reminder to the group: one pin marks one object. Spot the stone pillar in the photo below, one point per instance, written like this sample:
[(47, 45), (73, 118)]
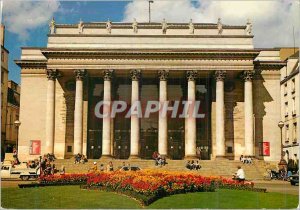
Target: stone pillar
[(50, 111), (135, 124), (162, 120), (190, 120), (220, 122), (78, 113), (106, 131), (248, 107)]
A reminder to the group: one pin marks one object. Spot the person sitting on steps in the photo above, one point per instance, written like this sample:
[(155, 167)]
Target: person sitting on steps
[(239, 175)]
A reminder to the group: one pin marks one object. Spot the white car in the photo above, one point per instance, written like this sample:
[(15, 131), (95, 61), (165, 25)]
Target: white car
[(9, 172)]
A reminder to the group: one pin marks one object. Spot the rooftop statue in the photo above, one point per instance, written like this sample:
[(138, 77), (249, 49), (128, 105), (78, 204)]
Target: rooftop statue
[(135, 26), (220, 26), (80, 26), (108, 26), (248, 27), (191, 27), (164, 26), (52, 26)]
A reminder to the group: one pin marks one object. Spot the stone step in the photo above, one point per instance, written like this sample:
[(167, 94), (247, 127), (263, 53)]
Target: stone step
[(208, 167)]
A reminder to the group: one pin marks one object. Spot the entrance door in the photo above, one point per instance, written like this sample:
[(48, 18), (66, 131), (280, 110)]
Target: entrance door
[(122, 144), (176, 144), (149, 143), (94, 144)]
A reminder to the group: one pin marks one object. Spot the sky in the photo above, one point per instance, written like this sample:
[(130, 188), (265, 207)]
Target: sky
[(27, 21)]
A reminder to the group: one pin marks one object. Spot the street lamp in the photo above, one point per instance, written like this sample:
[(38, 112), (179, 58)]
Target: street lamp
[(282, 162), (17, 123)]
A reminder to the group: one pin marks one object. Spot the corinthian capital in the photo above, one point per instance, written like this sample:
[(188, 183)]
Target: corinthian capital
[(80, 74), (248, 75), (108, 74), (220, 75), (52, 74), (163, 75), (191, 75), (135, 75)]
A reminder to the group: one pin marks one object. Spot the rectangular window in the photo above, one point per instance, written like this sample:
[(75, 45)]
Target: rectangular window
[(286, 109), (294, 107), (229, 150), (293, 85), (69, 149), (287, 133), (2, 76), (285, 89), (2, 56), (295, 133)]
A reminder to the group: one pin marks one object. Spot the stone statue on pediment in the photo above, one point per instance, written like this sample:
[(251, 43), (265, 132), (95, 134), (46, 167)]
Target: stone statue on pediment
[(52, 29), (135, 26), (191, 27), (80, 26), (220, 26), (248, 27), (108, 26), (164, 26)]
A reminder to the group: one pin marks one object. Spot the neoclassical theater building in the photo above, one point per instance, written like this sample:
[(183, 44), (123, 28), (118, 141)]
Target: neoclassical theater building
[(85, 63)]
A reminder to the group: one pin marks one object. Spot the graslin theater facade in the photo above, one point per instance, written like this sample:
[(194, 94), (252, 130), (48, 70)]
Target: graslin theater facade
[(238, 87)]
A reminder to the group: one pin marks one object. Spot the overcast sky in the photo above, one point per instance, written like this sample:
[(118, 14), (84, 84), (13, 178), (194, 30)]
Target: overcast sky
[(27, 21)]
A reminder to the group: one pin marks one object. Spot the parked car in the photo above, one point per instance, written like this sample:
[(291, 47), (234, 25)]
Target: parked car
[(9, 172), (131, 168), (294, 179)]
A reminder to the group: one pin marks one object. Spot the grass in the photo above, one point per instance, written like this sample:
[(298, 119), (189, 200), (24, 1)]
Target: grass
[(74, 197), (228, 199), (63, 197)]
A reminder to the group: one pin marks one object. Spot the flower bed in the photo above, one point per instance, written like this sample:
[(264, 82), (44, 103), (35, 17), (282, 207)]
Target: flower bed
[(147, 185), (65, 179)]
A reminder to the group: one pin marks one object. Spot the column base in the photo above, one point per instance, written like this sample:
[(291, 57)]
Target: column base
[(106, 157), (221, 157), (165, 156), (187, 157), (134, 157)]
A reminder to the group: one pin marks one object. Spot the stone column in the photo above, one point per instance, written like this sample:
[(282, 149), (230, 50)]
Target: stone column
[(78, 113), (50, 110), (190, 120), (106, 141), (162, 120), (220, 122), (248, 107), (135, 124)]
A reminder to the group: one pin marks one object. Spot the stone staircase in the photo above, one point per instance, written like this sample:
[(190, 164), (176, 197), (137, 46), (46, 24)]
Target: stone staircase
[(222, 167)]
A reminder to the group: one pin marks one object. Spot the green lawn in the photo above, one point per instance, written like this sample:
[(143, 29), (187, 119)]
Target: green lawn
[(74, 197), (228, 199)]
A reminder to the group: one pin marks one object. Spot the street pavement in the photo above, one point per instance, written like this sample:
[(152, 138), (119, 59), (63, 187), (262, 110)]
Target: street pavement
[(284, 187)]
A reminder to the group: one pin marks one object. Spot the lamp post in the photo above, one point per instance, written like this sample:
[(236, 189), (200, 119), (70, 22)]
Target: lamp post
[(17, 123), (282, 162)]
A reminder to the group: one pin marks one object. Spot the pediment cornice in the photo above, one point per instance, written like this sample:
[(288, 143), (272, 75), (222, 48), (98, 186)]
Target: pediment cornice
[(31, 63), (151, 53)]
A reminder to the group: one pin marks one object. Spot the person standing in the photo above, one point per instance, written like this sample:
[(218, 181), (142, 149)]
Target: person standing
[(198, 153)]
